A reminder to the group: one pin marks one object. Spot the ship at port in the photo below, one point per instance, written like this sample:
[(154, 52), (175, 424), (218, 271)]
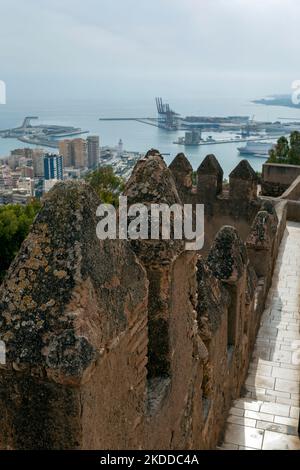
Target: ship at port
[(258, 149), (42, 134)]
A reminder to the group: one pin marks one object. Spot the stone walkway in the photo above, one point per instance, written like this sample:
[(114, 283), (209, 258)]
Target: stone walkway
[(267, 418)]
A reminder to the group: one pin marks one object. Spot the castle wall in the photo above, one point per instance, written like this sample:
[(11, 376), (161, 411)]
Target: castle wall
[(174, 417), (293, 191), (113, 400), (276, 178), (294, 211), (237, 207), (133, 344)]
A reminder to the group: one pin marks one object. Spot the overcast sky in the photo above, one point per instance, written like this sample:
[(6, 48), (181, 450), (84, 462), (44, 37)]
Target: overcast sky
[(120, 48)]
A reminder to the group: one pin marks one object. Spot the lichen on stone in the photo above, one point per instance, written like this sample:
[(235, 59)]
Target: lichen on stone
[(227, 257)]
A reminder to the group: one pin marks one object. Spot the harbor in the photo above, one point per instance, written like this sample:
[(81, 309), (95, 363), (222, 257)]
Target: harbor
[(42, 134), (137, 136), (243, 126)]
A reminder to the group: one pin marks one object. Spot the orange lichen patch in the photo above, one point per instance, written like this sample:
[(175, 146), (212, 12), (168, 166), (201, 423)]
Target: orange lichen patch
[(37, 252), (28, 302), (7, 336), (22, 274), (114, 282), (33, 263), (60, 274)]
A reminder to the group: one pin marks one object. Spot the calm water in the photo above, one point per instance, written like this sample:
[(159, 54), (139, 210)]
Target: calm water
[(136, 136)]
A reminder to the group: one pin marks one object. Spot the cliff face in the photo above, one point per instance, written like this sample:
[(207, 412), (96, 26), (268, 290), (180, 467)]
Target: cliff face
[(120, 344)]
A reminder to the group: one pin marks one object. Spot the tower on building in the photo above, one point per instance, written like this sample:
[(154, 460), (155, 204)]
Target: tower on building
[(120, 148)]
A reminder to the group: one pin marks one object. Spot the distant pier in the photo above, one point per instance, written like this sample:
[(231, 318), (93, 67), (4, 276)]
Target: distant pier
[(42, 135)]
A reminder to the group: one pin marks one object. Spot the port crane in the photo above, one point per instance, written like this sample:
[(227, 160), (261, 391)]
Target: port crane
[(166, 118)]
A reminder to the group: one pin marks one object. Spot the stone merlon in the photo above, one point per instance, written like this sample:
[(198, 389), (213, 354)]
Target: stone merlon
[(61, 284), (152, 181), (228, 256), (243, 171), (182, 172)]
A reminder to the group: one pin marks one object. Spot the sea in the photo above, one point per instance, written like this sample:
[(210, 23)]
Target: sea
[(137, 136)]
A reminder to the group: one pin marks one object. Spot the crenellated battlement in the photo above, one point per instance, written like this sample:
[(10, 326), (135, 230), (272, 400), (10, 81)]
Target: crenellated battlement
[(237, 206), (209, 180), (116, 344)]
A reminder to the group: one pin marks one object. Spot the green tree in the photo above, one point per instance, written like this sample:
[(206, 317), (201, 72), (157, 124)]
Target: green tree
[(15, 222), (107, 185), (281, 151), (286, 151), (272, 156), (294, 152)]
